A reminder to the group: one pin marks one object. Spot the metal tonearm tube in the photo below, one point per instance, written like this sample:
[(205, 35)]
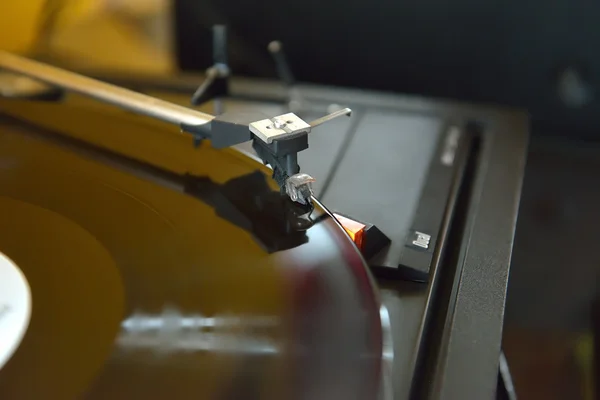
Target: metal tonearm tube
[(127, 99)]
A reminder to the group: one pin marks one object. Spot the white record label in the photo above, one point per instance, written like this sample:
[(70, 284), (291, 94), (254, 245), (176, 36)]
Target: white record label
[(15, 308)]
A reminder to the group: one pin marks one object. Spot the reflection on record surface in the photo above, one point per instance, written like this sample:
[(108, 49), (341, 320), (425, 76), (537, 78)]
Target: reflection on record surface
[(219, 291)]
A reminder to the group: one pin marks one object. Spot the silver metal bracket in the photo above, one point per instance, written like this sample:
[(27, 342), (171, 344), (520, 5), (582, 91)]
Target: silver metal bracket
[(280, 127)]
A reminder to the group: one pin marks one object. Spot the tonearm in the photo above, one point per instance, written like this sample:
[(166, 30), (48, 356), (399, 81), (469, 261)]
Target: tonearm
[(276, 140)]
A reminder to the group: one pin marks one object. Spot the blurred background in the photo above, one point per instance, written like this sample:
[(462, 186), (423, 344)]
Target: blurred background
[(541, 56)]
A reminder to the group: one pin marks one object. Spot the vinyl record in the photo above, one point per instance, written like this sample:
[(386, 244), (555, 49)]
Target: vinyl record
[(140, 291)]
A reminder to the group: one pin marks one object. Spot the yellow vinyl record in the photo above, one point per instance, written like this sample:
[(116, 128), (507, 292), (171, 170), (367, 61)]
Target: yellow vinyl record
[(174, 285)]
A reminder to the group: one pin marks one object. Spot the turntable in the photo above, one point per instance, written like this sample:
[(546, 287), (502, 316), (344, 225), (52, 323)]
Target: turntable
[(188, 255)]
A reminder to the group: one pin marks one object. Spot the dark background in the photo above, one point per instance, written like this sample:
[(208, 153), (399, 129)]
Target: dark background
[(500, 52)]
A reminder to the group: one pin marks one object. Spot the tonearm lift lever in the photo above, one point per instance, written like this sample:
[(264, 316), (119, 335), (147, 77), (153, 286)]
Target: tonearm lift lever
[(277, 140)]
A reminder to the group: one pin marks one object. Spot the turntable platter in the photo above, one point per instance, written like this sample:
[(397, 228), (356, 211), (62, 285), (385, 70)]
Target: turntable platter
[(142, 291)]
